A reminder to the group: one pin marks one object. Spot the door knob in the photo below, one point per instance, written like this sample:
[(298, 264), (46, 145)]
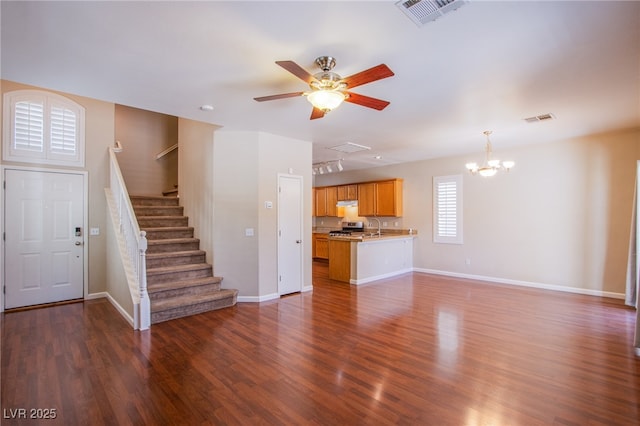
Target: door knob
[(298, 241), (78, 243)]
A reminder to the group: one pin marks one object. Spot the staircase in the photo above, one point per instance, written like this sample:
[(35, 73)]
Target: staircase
[(179, 281)]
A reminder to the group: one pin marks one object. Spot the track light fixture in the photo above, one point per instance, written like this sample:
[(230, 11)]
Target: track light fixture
[(327, 166)]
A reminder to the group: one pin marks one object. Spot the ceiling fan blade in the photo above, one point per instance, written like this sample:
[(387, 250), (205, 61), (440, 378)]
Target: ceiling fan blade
[(366, 101), (280, 96), (367, 76), (316, 113), (296, 70)]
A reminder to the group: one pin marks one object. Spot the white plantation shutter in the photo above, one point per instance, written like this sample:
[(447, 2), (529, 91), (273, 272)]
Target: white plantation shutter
[(42, 127), (63, 131), (28, 132), (447, 209)]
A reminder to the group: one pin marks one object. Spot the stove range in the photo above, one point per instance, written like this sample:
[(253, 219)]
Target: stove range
[(348, 228)]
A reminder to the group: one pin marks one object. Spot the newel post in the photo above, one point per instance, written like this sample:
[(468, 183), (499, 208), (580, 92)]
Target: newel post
[(145, 304)]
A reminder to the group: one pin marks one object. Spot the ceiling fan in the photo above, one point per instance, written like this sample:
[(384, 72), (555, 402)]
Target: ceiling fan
[(329, 90)]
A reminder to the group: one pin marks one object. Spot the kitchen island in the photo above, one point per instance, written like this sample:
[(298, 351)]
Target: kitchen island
[(365, 258)]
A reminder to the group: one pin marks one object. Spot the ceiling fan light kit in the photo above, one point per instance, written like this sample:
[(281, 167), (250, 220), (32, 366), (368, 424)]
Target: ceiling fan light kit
[(329, 90), (490, 166)]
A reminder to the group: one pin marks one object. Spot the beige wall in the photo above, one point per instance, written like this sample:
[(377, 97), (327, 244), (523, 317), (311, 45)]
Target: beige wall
[(143, 135), (246, 167), (561, 217), (99, 128)]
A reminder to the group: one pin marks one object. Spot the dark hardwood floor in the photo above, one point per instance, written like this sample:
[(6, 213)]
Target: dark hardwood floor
[(418, 349)]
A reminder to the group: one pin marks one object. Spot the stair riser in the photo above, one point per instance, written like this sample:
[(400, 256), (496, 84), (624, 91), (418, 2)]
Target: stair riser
[(192, 310), (158, 222), (175, 261), (177, 292), (179, 275), (163, 235), (167, 248), (165, 201), (158, 211)]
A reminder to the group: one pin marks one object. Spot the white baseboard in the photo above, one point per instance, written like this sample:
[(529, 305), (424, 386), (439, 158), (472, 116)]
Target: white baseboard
[(380, 277), (553, 287), (266, 297), (254, 299), (113, 301)]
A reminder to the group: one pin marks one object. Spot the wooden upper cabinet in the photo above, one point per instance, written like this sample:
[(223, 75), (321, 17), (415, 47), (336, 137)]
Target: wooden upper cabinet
[(321, 201), (383, 198), (325, 199), (332, 200), (367, 199), (347, 192)]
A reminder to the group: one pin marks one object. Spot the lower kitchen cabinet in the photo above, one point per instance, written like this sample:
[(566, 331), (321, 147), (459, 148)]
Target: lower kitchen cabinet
[(321, 246)]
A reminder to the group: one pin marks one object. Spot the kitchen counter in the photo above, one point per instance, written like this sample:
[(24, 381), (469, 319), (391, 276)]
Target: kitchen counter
[(359, 259)]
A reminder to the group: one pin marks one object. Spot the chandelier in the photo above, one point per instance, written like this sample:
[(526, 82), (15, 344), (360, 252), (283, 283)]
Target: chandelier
[(490, 166), (327, 167)]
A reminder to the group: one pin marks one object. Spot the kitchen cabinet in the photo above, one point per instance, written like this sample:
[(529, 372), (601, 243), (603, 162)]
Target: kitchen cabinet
[(325, 200), (321, 201), (347, 192), (382, 198), (321, 246), (340, 261), (332, 201)]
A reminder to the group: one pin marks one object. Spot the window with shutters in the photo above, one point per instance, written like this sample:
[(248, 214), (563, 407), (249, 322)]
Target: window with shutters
[(42, 127), (447, 209)]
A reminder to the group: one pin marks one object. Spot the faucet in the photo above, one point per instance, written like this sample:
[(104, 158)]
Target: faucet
[(377, 220)]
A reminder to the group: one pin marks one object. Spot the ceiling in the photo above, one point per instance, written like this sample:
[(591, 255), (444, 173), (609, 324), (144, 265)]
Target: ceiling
[(486, 66)]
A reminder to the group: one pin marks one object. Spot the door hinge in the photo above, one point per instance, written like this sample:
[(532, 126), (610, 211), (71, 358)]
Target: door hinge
[(280, 278), (4, 184), (4, 236)]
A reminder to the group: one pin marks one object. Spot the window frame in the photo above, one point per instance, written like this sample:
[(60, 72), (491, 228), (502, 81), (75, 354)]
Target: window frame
[(50, 101), (438, 236)]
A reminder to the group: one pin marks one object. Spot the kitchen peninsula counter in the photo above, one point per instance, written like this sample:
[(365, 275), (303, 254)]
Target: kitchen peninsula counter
[(362, 258)]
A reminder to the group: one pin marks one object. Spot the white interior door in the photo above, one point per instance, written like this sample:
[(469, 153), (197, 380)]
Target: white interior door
[(44, 254), (290, 244)]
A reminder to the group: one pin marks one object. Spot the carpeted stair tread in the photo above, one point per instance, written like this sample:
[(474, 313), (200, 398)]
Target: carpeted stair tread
[(184, 253), (167, 309), (166, 228), (177, 268), (183, 284), (153, 200), (172, 241)]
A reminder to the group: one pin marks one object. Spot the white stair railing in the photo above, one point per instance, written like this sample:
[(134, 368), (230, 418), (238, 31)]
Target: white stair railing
[(136, 243)]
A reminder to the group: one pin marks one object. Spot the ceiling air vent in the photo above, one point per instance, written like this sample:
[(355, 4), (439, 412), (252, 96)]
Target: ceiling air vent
[(349, 147), (423, 11), (541, 117)]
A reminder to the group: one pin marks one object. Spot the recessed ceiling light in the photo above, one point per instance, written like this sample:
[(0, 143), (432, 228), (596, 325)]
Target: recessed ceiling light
[(207, 107), (377, 157)]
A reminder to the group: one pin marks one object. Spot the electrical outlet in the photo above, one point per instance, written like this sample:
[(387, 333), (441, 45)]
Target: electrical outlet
[(94, 231), (384, 224), (467, 261)]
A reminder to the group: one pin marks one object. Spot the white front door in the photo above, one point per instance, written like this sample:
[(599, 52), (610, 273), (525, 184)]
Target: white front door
[(290, 242), (44, 254)]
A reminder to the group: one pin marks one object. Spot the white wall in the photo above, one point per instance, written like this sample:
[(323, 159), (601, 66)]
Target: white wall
[(561, 217), (195, 176), (246, 166)]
